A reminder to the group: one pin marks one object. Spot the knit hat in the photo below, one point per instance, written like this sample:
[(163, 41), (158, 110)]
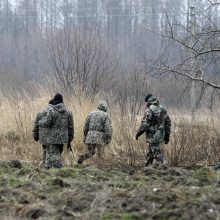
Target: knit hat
[(58, 98), (147, 97)]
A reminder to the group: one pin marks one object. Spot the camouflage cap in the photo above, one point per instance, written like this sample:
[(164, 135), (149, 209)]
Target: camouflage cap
[(103, 106), (153, 101)]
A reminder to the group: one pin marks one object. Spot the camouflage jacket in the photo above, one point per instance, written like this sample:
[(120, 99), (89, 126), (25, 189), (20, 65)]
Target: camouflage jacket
[(57, 127), (155, 123), (98, 128), (38, 117)]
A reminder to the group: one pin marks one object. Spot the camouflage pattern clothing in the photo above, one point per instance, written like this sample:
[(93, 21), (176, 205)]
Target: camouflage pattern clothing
[(39, 116), (53, 156), (156, 124), (97, 131), (56, 128)]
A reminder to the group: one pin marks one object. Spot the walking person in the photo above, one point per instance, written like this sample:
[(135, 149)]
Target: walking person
[(39, 116), (97, 132), (55, 130), (156, 124)]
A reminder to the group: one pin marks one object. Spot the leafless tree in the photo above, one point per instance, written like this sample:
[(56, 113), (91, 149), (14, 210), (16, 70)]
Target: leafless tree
[(197, 52), (82, 59)]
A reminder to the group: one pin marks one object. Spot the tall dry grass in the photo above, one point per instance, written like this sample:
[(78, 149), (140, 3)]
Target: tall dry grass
[(190, 143)]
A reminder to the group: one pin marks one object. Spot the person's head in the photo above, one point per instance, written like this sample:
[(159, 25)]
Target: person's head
[(51, 102), (151, 100), (147, 97), (103, 106), (58, 98)]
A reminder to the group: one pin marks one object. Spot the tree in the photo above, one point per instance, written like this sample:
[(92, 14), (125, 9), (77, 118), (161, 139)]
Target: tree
[(198, 55), (82, 59)]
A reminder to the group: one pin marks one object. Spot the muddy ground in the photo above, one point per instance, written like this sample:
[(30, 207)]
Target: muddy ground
[(28, 192)]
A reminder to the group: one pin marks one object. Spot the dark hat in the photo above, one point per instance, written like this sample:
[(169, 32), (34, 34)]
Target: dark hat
[(51, 102), (147, 97), (58, 98)]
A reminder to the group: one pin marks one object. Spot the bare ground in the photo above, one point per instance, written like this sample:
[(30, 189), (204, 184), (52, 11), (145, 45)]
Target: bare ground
[(29, 192)]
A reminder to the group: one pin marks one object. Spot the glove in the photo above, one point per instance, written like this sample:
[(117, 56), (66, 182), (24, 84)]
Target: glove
[(36, 138), (167, 138), (139, 133)]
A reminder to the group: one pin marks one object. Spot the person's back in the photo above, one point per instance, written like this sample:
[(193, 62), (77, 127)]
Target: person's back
[(56, 125), (97, 131), (96, 128), (156, 124), (57, 130)]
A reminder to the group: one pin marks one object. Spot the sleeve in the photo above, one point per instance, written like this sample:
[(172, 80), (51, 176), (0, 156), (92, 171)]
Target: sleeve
[(86, 127), (146, 121), (70, 127), (48, 119), (36, 126), (108, 130), (167, 125)]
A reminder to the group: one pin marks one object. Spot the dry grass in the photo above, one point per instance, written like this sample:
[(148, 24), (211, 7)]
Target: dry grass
[(190, 144)]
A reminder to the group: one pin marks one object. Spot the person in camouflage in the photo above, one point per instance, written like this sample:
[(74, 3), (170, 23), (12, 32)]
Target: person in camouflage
[(55, 130), (156, 124), (97, 131), (39, 116)]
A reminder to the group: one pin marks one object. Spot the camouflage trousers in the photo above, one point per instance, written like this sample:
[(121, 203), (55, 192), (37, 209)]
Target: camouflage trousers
[(154, 152), (53, 156), (91, 151), (44, 154)]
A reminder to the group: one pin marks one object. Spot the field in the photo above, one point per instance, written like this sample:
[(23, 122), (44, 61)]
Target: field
[(116, 187), (95, 192)]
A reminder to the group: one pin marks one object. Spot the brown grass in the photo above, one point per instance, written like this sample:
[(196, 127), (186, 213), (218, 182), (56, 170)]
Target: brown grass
[(189, 145)]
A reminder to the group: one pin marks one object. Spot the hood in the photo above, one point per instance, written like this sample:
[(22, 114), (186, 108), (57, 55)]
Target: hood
[(152, 101), (61, 108), (103, 106)]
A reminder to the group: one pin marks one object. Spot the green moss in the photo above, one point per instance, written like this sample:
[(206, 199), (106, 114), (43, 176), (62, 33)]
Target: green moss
[(14, 181), (65, 172), (132, 216), (203, 174)]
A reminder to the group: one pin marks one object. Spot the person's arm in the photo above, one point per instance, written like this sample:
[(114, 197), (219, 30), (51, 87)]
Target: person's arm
[(167, 129), (145, 123), (86, 126), (36, 127), (108, 130), (70, 127)]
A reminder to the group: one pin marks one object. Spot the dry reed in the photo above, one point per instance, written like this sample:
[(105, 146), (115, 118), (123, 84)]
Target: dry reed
[(189, 145)]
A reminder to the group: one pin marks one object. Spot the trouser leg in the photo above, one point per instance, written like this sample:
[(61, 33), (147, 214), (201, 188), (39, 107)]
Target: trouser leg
[(44, 154), (100, 151), (60, 148), (149, 157), (157, 154), (90, 152), (53, 158)]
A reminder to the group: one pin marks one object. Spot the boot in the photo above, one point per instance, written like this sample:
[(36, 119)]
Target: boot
[(80, 160), (149, 161)]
